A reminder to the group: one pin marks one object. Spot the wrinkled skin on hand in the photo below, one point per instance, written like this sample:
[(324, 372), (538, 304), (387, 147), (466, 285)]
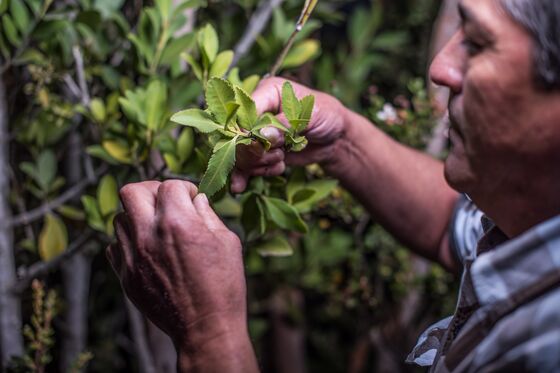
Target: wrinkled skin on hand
[(178, 263), (326, 127)]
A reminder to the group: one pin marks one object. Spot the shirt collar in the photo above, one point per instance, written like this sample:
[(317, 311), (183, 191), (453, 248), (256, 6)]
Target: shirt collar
[(504, 267)]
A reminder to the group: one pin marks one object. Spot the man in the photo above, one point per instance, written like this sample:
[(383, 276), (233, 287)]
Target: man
[(183, 268)]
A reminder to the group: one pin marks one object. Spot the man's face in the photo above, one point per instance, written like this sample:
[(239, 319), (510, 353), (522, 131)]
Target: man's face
[(504, 131)]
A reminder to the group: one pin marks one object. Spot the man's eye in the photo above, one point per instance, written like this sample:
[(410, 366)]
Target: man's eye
[(471, 47)]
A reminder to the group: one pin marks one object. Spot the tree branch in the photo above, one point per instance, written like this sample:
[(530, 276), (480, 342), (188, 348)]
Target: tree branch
[(69, 194), (11, 342), (42, 268), (256, 25), (80, 72), (141, 346)]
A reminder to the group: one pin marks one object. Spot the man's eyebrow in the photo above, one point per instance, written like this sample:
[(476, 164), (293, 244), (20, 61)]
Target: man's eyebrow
[(468, 16)]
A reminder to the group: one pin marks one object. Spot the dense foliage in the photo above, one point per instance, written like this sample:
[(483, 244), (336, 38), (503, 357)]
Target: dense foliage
[(91, 86)]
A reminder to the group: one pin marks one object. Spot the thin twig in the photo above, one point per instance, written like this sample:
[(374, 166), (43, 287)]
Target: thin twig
[(42, 268), (258, 21), (42, 210), (305, 14)]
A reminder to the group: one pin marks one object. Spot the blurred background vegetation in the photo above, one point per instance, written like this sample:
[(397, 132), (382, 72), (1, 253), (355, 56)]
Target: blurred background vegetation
[(86, 91)]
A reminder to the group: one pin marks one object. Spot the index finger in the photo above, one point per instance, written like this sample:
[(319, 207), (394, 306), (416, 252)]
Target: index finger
[(268, 95), (139, 203), (174, 199)]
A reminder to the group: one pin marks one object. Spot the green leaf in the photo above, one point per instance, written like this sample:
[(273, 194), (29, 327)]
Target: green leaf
[(155, 104), (221, 64), (247, 113), (107, 195), (322, 189), (98, 111), (198, 119), (46, 168), (99, 152), (296, 143), (118, 151), (164, 8), (197, 70), (220, 164), (290, 104), (143, 48), (185, 145), (53, 238), (70, 212), (92, 212), (177, 46), (218, 93), (208, 42), (172, 162), (10, 30), (20, 15), (301, 53), (231, 108), (306, 110), (4, 6), (276, 247), (253, 217), (250, 83), (284, 215)]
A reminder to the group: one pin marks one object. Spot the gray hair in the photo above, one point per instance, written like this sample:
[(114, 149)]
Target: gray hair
[(542, 19)]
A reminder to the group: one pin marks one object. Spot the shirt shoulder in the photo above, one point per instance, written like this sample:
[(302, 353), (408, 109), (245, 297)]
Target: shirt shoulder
[(527, 339)]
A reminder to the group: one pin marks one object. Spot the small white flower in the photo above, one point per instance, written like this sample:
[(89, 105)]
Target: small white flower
[(388, 114)]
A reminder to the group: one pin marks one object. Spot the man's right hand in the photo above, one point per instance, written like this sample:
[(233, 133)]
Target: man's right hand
[(327, 125)]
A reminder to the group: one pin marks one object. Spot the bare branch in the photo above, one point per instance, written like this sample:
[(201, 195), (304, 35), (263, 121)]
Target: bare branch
[(256, 25), (11, 343), (71, 193), (141, 346), (42, 268), (78, 58)]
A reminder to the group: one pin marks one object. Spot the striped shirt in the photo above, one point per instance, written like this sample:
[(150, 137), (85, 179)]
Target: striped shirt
[(507, 317)]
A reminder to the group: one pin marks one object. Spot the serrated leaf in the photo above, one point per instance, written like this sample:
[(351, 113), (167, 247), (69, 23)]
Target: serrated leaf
[(218, 93), (276, 247), (247, 113), (284, 215), (231, 107), (107, 195), (198, 119), (118, 151), (98, 111), (208, 42), (93, 214), (307, 104), (155, 104), (221, 64), (20, 15), (290, 104), (53, 238), (219, 166)]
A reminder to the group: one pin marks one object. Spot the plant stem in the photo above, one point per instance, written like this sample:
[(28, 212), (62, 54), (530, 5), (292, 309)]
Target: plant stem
[(304, 16)]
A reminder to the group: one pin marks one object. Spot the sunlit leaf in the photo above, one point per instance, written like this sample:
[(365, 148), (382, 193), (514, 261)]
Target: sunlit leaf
[(221, 64), (278, 246), (290, 104), (198, 119), (53, 238), (301, 53), (107, 195), (118, 151), (220, 164), (218, 93), (247, 113)]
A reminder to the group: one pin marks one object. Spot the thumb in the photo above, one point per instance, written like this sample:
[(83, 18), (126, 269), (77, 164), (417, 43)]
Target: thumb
[(274, 135)]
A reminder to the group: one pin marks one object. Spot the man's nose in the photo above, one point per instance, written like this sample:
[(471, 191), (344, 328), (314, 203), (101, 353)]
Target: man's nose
[(447, 67)]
